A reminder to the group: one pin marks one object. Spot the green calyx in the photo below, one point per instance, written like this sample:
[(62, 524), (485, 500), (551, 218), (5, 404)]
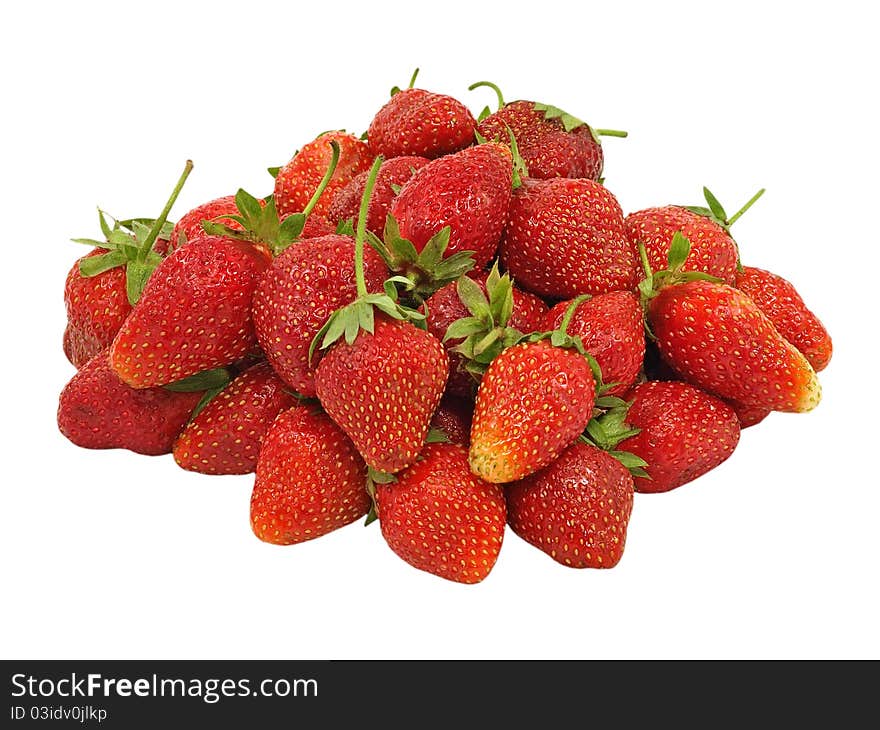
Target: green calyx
[(211, 381), (714, 211), (350, 320), (608, 427), (412, 81), (419, 273), (570, 122), (261, 223), (486, 110), (130, 244), (654, 281), (520, 169)]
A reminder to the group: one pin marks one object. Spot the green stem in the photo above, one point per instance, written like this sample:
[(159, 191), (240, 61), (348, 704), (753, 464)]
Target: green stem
[(492, 86), (646, 265), (611, 133), (361, 232), (570, 310), (322, 186), (412, 80), (736, 216), (163, 216)]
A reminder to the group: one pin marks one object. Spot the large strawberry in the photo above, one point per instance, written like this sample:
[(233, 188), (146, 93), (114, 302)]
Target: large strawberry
[(194, 313), (611, 329), (713, 250), (683, 433), (442, 519), (225, 436), (420, 122), (779, 300), (297, 181), (565, 237), (97, 410), (552, 142), (718, 339), (577, 509), (310, 479), (469, 191)]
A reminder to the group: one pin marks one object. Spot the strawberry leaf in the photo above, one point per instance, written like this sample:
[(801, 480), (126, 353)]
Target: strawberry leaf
[(93, 265)]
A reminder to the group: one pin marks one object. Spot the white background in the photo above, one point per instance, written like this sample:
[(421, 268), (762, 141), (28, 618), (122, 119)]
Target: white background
[(113, 555)]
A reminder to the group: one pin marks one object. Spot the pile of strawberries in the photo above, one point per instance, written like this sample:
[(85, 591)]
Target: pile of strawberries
[(447, 324)]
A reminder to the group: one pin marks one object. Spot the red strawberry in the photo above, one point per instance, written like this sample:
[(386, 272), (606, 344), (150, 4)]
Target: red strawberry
[(453, 417), (225, 436), (577, 509), (684, 433), (780, 301), (296, 295), (310, 479), (748, 415), (420, 122), (194, 314), (382, 390), (97, 410), (612, 331), (440, 518), (534, 400), (392, 175), (565, 238), (299, 179), (468, 191), (716, 338), (189, 225)]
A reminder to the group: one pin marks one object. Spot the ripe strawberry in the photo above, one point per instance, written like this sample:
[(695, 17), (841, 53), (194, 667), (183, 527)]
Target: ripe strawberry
[(420, 122), (612, 330), (442, 519), (225, 436), (577, 509), (392, 175), (382, 390), (453, 418), (534, 400), (780, 301), (310, 479), (469, 191), (194, 314), (296, 295), (748, 415), (551, 142), (97, 410), (299, 179), (565, 238), (189, 225), (716, 338), (684, 433)]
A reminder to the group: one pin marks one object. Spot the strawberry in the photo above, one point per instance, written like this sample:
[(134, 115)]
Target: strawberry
[(189, 225), (453, 418), (392, 175), (309, 481), (684, 433), (552, 142), (97, 410), (713, 250), (469, 191), (748, 415), (577, 509), (420, 122), (442, 519), (611, 329), (225, 436), (296, 295), (565, 238), (297, 181), (534, 400), (716, 338), (780, 301), (194, 314)]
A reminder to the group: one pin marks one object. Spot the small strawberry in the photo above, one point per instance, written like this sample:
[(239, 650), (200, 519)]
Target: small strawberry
[(716, 338), (194, 313), (748, 415), (565, 238), (552, 142), (392, 176), (611, 329), (534, 400), (577, 509), (780, 301), (310, 479), (684, 433), (225, 436), (442, 519), (420, 122), (469, 191), (453, 418), (297, 181), (97, 410), (713, 250)]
